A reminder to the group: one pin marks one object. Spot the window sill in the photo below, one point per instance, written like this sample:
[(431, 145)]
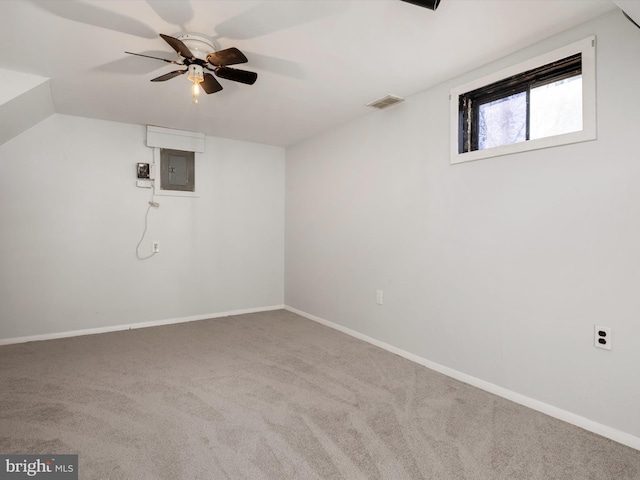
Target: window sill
[(539, 143)]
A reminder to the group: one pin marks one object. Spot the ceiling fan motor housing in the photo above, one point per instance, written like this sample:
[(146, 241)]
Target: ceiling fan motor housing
[(200, 46)]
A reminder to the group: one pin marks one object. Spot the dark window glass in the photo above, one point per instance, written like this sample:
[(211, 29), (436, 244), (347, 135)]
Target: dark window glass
[(538, 103)]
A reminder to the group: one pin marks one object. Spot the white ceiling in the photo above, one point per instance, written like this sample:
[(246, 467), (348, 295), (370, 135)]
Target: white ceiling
[(319, 62)]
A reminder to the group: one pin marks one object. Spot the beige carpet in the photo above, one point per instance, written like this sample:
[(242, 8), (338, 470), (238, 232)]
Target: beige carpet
[(275, 396)]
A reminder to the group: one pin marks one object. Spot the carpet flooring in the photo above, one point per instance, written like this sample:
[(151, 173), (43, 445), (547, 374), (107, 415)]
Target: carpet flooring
[(275, 396)]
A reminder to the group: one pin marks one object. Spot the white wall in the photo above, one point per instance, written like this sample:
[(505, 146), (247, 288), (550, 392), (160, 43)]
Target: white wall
[(499, 268), (71, 216)]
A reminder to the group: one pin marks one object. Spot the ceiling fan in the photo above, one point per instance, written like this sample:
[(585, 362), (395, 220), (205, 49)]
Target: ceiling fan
[(198, 54)]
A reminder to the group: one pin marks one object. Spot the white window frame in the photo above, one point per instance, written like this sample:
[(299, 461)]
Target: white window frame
[(587, 47), (160, 137)]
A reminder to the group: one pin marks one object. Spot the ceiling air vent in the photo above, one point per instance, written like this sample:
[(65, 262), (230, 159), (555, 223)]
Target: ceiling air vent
[(386, 101)]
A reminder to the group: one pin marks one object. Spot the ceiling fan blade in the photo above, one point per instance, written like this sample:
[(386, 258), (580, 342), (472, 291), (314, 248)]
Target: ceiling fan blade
[(228, 56), (278, 66), (156, 58), (97, 16), (168, 76), (242, 76), (269, 17), (174, 13), (210, 84), (178, 46)]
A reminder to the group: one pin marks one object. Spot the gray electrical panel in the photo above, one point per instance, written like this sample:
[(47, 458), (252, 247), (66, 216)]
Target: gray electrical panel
[(177, 170)]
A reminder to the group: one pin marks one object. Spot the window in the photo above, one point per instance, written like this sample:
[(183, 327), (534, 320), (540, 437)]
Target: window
[(544, 102)]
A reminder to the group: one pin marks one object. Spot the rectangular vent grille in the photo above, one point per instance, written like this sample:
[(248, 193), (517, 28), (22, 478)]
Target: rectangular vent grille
[(386, 101)]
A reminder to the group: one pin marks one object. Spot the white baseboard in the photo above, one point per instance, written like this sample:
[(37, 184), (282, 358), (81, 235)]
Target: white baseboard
[(131, 326), (564, 415)]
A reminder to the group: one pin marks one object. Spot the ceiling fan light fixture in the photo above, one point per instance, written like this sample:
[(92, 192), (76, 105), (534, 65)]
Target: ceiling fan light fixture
[(196, 76)]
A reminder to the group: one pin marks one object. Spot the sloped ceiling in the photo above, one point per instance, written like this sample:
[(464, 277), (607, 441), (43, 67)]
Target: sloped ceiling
[(319, 62), (631, 8), (25, 100)]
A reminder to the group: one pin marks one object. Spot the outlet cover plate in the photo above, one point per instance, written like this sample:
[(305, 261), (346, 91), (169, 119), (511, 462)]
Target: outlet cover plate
[(379, 297), (602, 337)]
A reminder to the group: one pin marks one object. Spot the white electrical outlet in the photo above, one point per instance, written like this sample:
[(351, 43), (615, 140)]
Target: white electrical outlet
[(156, 246), (379, 297), (602, 337)]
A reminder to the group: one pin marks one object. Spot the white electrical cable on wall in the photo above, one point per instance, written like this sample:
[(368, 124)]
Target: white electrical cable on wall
[(154, 204)]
